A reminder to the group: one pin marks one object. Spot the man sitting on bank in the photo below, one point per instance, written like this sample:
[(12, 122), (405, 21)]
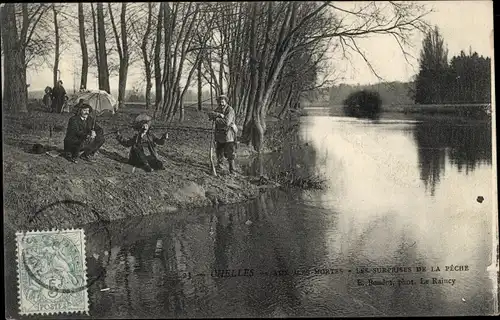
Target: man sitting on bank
[(83, 134)]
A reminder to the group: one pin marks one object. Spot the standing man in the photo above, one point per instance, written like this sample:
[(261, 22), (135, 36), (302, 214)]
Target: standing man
[(58, 97), (225, 132), (83, 134)]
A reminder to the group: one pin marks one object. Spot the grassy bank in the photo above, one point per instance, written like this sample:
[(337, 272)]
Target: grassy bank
[(110, 185)]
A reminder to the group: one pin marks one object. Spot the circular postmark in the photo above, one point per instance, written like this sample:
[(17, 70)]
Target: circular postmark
[(53, 261)]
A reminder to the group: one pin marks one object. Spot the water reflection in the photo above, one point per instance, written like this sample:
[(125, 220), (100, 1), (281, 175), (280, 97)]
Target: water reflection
[(295, 160), (463, 146), (280, 255)]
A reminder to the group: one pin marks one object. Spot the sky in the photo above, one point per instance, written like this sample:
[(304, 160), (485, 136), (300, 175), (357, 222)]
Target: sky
[(463, 24)]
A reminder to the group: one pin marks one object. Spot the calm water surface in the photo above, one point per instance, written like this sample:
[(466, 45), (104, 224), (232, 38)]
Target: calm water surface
[(400, 194)]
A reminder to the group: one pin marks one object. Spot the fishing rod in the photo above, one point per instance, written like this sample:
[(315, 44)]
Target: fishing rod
[(196, 103), (128, 126), (175, 128), (190, 105)]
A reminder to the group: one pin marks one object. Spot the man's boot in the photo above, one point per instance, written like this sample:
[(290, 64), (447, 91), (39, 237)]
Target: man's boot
[(231, 166), (219, 165)]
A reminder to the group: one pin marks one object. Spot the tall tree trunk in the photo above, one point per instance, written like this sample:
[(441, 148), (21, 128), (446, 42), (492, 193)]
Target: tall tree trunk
[(248, 125), (200, 93), (96, 41), (15, 91), (145, 56), (169, 19), (157, 62), (258, 116), (286, 104), (221, 70), (103, 59), (56, 55), (181, 106), (83, 45), (122, 81), (211, 94), (126, 56), (123, 53), (182, 43)]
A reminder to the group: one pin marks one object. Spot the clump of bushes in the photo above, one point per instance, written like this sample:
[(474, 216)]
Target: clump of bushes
[(363, 104)]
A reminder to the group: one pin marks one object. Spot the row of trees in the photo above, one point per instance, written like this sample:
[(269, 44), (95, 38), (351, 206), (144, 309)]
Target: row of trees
[(466, 78), (263, 55)]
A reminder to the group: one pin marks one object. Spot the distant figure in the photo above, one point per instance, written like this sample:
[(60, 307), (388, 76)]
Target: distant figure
[(47, 98), (143, 138), (58, 97), (83, 134), (225, 132)]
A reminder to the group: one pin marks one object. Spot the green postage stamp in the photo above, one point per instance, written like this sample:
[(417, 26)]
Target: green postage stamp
[(52, 276)]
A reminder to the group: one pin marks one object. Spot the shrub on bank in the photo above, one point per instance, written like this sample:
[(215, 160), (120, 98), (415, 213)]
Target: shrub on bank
[(363, 104)]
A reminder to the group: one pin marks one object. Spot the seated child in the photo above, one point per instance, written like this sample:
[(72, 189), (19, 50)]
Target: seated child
[(143, 138)]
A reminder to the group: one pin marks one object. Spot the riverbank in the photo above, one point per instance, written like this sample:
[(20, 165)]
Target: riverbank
[(109, 185), (448, 111)]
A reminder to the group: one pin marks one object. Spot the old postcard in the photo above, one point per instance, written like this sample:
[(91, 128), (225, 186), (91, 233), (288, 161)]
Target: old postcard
[(249, 159)]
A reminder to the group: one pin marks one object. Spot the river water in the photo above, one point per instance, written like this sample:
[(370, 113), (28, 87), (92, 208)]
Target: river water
[(401, 194)]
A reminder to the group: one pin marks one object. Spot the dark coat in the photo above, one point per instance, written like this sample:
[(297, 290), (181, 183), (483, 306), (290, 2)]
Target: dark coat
[(148, 141), (58, 98), (78, 129), (58, 92), (224, 127)]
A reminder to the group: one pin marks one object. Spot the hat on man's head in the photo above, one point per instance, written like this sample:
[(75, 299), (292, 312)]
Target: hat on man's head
[(83, 105), (142, 119), (222, 97)]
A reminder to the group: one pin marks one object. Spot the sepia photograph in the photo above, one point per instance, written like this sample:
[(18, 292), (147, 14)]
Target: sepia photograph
[(268, 159)]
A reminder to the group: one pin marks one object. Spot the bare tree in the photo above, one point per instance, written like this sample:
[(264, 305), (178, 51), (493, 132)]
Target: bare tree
[(83, 45), (96, 41), (103, 56), (62, 30), (200, 84), (143, 22), (18, 49), (297, 28), (57, 46), (179, 26), (269, 54), (157, 59), (145, 55), (123, 51)]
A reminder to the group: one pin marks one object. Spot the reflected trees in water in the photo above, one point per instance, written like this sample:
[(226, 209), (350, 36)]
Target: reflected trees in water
[(465, 146), (293, 163)]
